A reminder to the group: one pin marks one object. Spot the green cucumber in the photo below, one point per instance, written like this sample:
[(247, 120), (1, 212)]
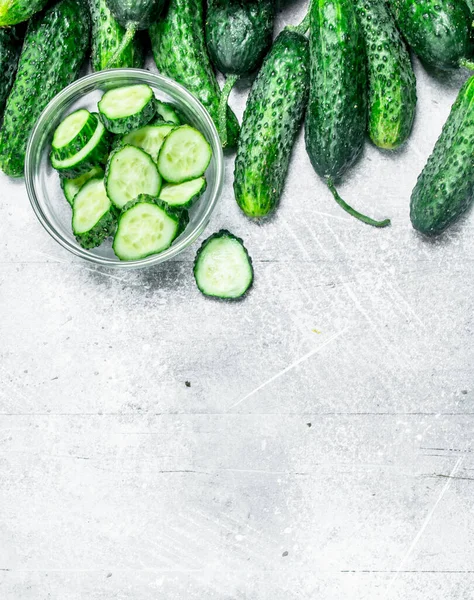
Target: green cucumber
[(107, 34), (168, 112), (336, 119), (133, 15), (53, 52), (73, 133), (94, 218), (147, 226), (438, 31), (272, 118), (222, 267), (445, 188), (179, 49), (127, 108), (184, 155), (392, 83), (18, 11), (183, 195), (92, 154), (71, 187), (131, 172), (10, 48), (149, 138)]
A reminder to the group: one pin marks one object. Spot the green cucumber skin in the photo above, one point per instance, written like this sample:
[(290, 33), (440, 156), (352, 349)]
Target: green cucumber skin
[(337, 110), (239, 34), (179, 49), (392, 83), (53, 52), (130, 123), (273, 115), (10, 48), (107, 34), (445, 188), (438, 31), (18, 11), (139, 13)]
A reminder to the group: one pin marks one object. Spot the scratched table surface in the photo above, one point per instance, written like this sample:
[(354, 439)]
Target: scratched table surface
[(311, 441)]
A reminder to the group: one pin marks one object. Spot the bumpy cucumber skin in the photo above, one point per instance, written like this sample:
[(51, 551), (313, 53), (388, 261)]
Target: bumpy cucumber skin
[(130, 123), (142, 13), (445, 188), (10, 48), (81, 139), (392, 83), (103, 229), (180, 52), (18, 11), (438, 31), (220, 234), (239, 34), (273, 115), (337, 114), (53, 52), (107, 33)]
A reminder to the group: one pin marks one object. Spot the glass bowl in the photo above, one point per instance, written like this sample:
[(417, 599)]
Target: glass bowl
[(42, 181)]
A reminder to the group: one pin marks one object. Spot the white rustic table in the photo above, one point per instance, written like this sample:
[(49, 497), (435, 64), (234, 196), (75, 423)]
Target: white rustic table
[(312, 441)]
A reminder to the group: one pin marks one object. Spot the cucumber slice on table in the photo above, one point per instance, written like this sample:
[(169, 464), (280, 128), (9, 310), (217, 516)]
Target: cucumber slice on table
[(185, 155), (167, 112), (147, 226), (183, 195), (71, 187), (131, 172), (127, 108), (94, 216), (223, 267), (149, 138), (73, 133), (94, 153)]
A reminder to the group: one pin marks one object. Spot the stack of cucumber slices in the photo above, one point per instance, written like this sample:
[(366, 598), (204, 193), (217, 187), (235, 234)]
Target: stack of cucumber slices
[(130, 171)]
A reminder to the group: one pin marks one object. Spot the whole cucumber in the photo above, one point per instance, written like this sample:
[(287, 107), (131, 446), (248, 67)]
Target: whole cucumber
[(107, 34), (392, 83), (239, 34), (18, 11), (445, 188), (438, 31), (180, 52), (10, 48), (273, 115), (53, 51)]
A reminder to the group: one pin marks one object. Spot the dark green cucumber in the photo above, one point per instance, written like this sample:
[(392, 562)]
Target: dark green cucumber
[(133, 15), (180, 52), (392, 83), (336, 119), (438, 31), (10, 48), (239, 34), (18, 11), (272, 118), (445, 188), (53, 52), (107, 34)]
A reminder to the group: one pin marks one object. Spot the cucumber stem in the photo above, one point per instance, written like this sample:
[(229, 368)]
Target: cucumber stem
[(354, 212), (467, 64), (222, 114), (303, 27), (126, 41)]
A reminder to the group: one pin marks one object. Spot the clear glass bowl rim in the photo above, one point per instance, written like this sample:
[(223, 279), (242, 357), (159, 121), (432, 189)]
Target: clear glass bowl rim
[(176, 91)]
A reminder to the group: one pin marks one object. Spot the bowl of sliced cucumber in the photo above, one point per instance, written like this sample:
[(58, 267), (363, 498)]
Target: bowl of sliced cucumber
[(124, 168)]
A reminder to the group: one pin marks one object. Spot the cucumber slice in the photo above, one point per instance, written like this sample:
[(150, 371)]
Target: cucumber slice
[(149, 138), (167, 112), (94, 152), (94, 217), (71, 187), (131, 172), (126, 108), (185, 155), (73, 133), (183, 195), (223, 267), (147, 226)]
